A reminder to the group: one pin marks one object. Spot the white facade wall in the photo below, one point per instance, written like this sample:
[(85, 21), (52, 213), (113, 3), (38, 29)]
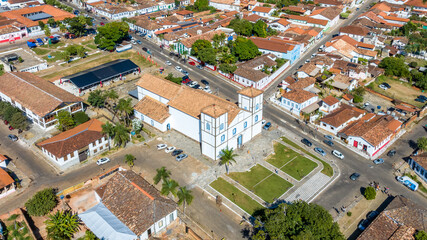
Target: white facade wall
[(301, 74), (185, 124), (143, 92), (354, 36), (279, 27), (248, 83), (161, 126), (295, 107), (369, 149), (160, 225), (225, 7)]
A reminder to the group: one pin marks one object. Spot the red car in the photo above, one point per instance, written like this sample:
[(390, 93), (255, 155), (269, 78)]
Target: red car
[(192, 63), (6, 122), (11, 128), (102, 23)]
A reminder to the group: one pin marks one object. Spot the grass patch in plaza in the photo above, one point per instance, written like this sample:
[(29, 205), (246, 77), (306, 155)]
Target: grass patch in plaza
[(262, 182), (93, 46), (299, 167), (40, 51), (282, 155), (327, 168), (55, 45), (55, 56), (236, 196)]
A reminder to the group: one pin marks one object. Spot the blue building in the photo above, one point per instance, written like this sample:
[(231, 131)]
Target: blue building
[(285, 49), (419, 165)]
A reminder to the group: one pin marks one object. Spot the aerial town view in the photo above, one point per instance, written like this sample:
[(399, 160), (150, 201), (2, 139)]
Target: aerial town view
[(213, 119)]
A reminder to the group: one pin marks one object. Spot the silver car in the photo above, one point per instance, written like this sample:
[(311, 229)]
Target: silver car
[(102, 161), (181, 157)]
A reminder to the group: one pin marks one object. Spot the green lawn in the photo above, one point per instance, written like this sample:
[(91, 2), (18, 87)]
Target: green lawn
[(299, 167), (93, 46), (40, 51), (235, 195), (262, 182), (56, 45), (57, 55), (271, 188), (281, 156), (327, 169)]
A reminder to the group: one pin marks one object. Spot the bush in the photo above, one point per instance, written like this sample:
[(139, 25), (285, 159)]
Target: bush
[(41, 203), (413, 64), (357, 99), (421, 235), (80, 117), (370, 193), (349, 214)]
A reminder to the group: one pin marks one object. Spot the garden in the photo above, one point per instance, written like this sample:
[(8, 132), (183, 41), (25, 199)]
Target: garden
[(291, 162), (262, 182)]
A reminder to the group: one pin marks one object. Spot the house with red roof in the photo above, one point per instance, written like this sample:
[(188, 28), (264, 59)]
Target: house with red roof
[(225, 5), (7, 184), (263, 11), (289, 50), (280, 25), (330, 14), (337, 119)]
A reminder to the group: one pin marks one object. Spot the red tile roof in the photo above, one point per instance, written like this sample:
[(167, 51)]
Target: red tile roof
[(355, 30), (262, 9), (275, 45), (298, 95), (307, 19), (153, 109), (56, 13), (5, 179), (342, 115), (330, 100)]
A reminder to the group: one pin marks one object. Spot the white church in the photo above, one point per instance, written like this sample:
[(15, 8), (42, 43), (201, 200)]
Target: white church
[(210, 120)]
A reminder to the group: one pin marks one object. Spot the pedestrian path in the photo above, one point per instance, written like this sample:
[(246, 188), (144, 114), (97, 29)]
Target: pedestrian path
[(309, 188)]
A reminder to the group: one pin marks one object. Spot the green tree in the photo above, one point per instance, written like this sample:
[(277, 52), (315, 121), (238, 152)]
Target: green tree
[(420, 235), (129, 160), (300, 220), (78, 25), (111, 97), (41, 25), (244, 49), (89, 235), (65, 120), (121, 135), (108, 129), (260, 29), (207, 55), (80, 117), (227, 59), (66, 56), (110, 34), (62, 225), (47, 30), (124, 106), (169, 186), (394, 66), (227, 157), (370, 193), (162, 175), (52, 23), (97, 98), (227, 68), (201, 5), (199, 45), (184, 197), (19, 121), (241, 26), (9, 111), (218, 40), (41, 203), (422, 143)]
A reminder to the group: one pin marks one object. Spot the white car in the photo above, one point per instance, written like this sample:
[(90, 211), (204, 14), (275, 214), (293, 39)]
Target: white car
[(178, 68), (207, 89), (102, 161), (338, 154), (133, 41), (193, 83), (170, 149), (168, 63), (383, 87), (161, 146)]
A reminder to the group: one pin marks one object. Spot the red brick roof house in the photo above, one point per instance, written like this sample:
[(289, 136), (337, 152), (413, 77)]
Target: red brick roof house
[(339, 118), (129, 208), (355, 32), (401, 219), (330, 14), (7, 184), (371, 133), (263, 11), (75, 145), (329, 104)]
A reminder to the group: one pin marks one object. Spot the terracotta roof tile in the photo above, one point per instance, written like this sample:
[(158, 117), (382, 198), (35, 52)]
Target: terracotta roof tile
[(153, 109), (262, 9), (188, 42), (298, 95), (355, 30), (309, 68), (330, 100), (252, 17), (34, 93), (417, 3), (56, 13), (134, 201), (5, 179), (329, 13), (307, 19), (159, 86), (74, 139), (272, 44), (250, 92), (342, 115), (302, 83)]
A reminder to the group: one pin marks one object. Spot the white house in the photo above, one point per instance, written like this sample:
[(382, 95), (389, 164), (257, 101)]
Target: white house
[(39, 99), (355, 32), (75, 145), (7, 184), (280, 25), (263, 11), (296, 100), (225, 5), (3, 161), (330, 14), (329, 104), (419, 165), (339, 118), (203, 117), (371, 133), (308, 70), (129, 208)]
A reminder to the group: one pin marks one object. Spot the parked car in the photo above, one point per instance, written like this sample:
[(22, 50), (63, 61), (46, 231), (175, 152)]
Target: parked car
[(133, 41), (422, 97), (6, 122), (391, 153), (306, 142), (320, 151), (379, 161), (382, 87), (102, 161), (197, 86), (387, 85), (161, 146), (199, 67), (139, 42), (102, 23), (11, 128), (178, 68), (354, 176), (193, 83), (207, 89), (408, 182), (168, 63), (363, 224), (192, 63), (12, 137), (329, 137), (169, 149), (181, 157), (204, 82), (338, 154), (328, 142), (176, 152), (371, 215), (420, 100), (267, 126), (185, 72)]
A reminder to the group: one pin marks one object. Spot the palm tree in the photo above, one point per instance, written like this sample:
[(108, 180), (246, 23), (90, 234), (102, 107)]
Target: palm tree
[(169, 186), (129, 159), (184, 197), (162, 174), (121, 135), (111, 97), (62, 225), (227, 157), (108, 129), (125, 108)]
